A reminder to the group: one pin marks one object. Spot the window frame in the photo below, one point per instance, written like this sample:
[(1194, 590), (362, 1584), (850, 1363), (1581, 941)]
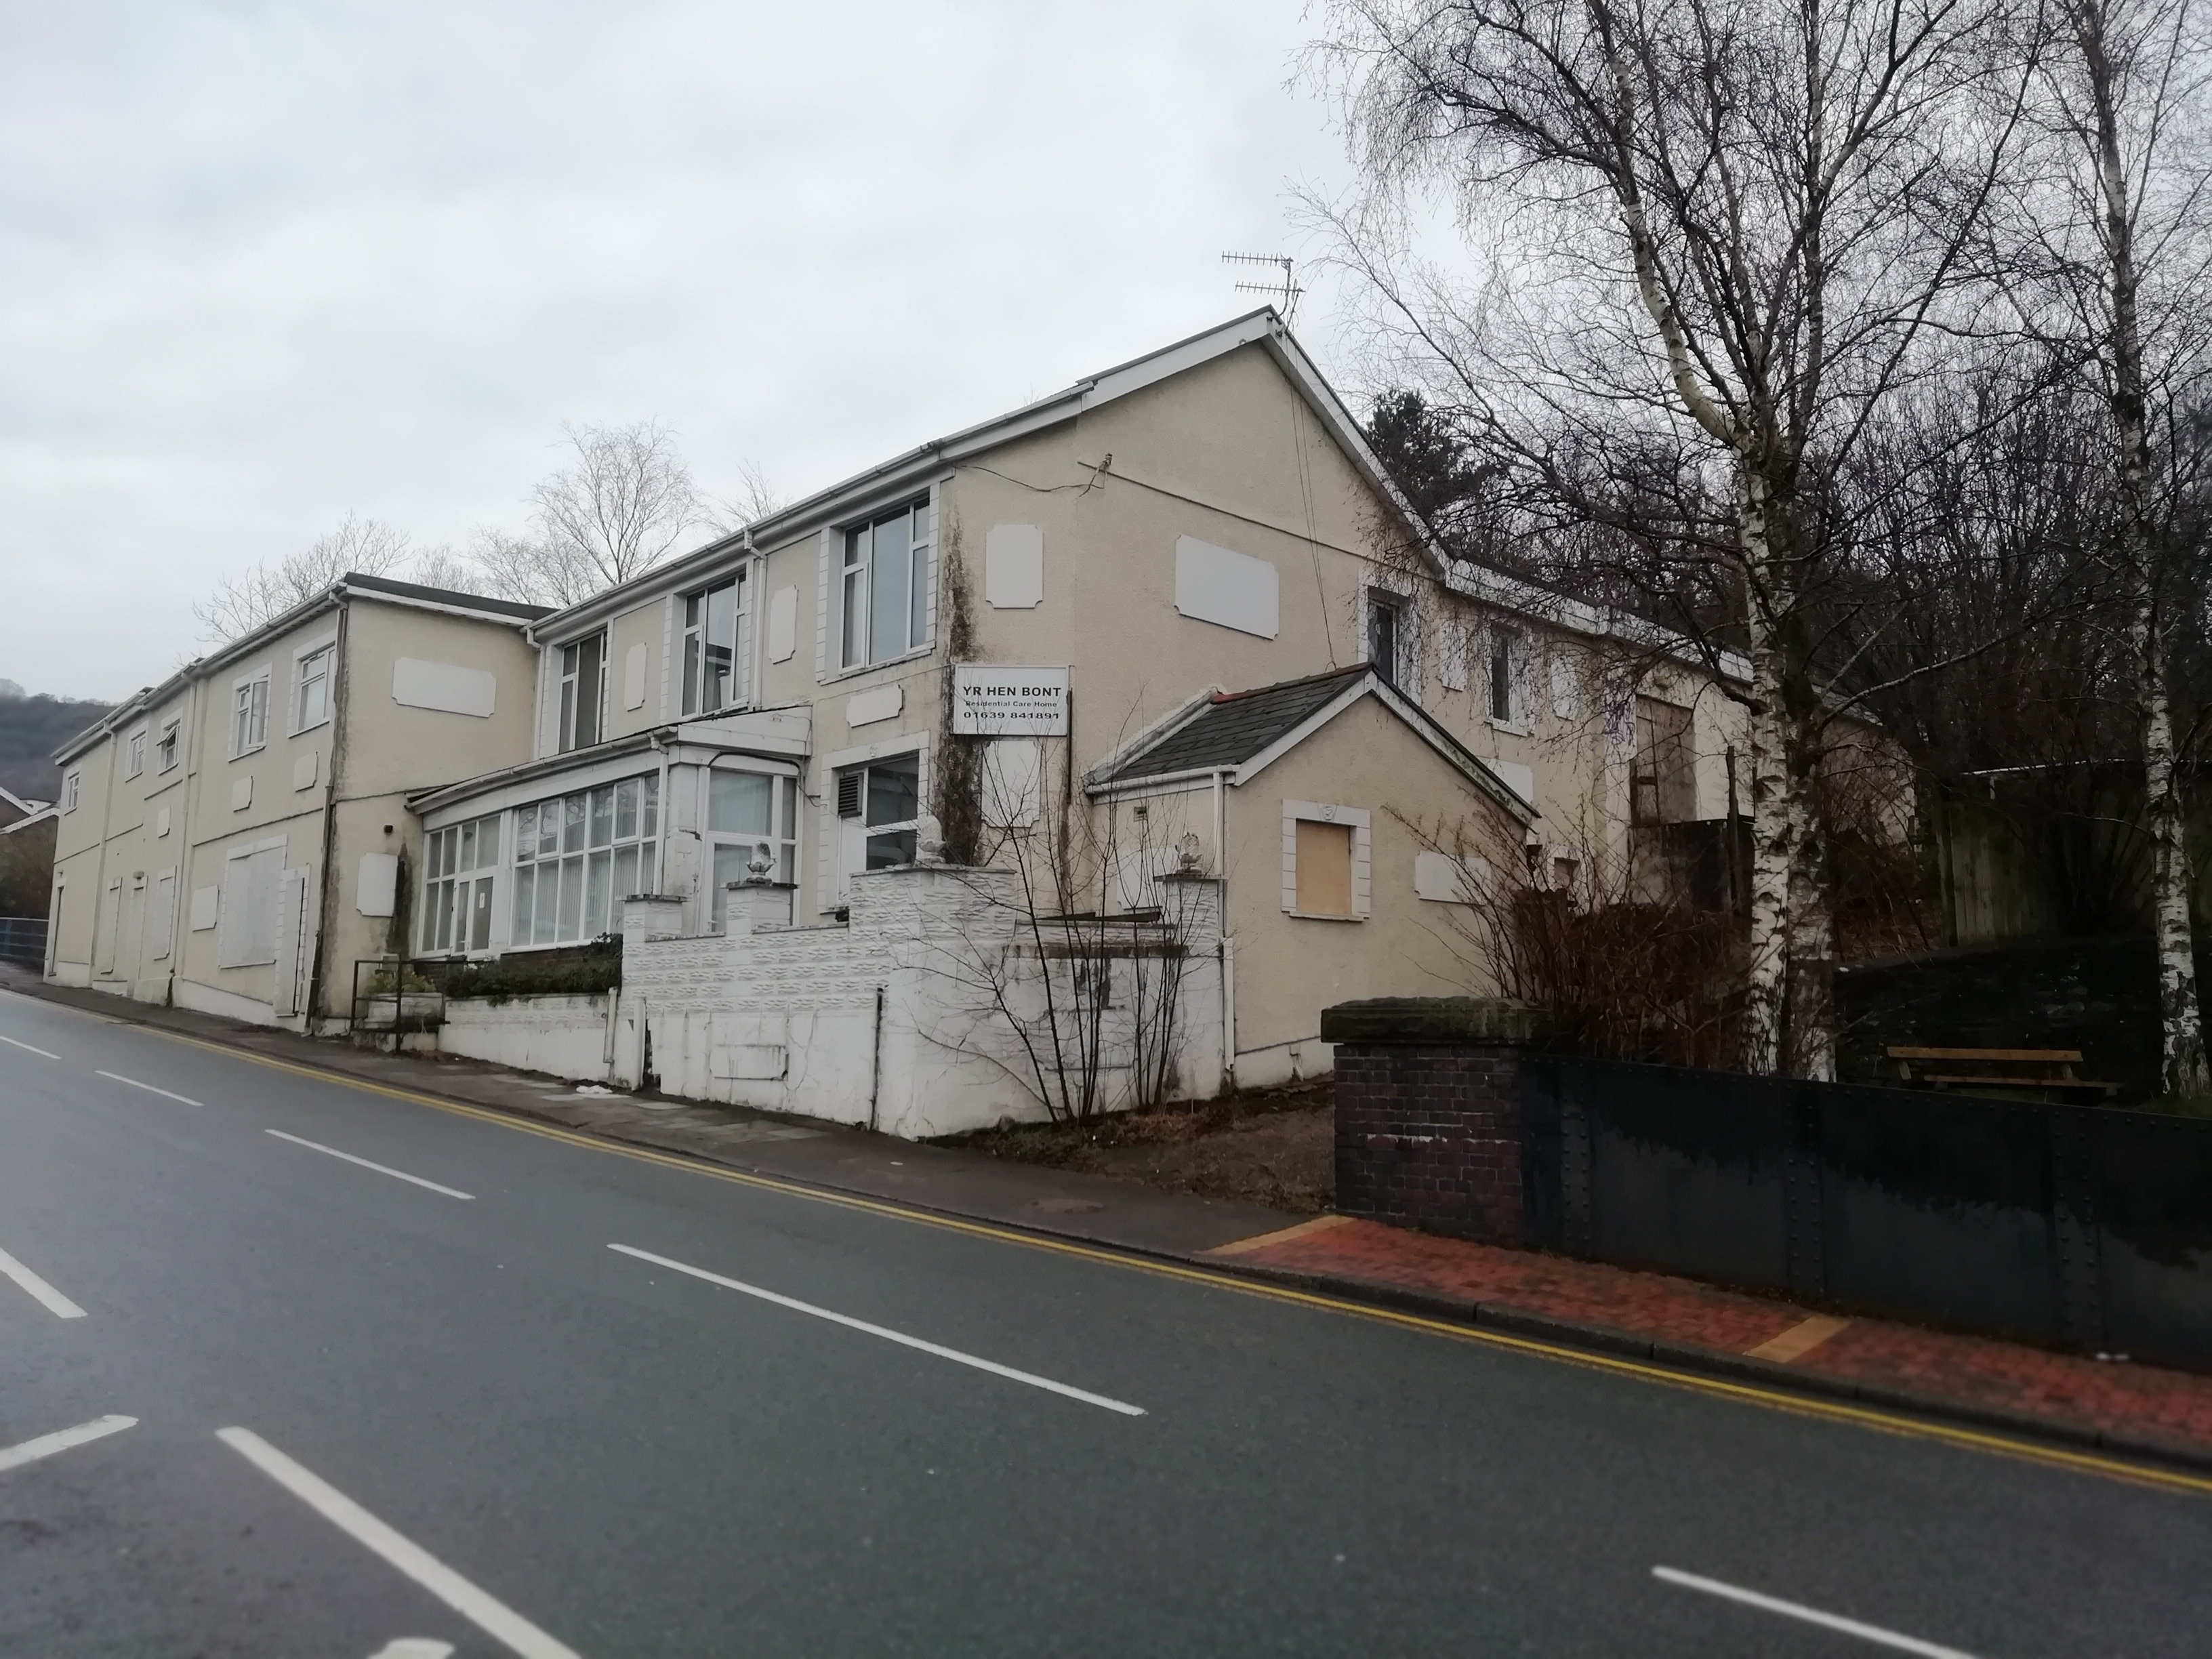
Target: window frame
[(323, 652), (781, 836), (134, 753), (569, 682), (1505, 662), (854, 589), (1383, 602), (1360, 821), (904, 828), (72, 789), (249, 708), (693, 644), (648, 832), (451, 892), (165, 745)]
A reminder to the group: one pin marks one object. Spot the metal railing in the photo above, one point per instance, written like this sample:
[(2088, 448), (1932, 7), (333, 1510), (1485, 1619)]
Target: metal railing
[(23, 938)]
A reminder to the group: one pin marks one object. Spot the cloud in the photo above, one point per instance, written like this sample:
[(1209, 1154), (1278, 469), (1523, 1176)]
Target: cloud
[(263, 265)]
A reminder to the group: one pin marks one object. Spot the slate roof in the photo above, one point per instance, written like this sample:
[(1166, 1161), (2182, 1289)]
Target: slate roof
[(1233, 726)]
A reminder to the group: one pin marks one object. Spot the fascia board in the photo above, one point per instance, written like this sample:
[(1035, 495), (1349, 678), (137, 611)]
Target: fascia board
[(406, 602)]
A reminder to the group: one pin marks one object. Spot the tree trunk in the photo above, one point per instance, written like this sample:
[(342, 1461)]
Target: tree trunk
[(1776, 818), (2181, 1025), (1811, 1029), (2180, 1018)]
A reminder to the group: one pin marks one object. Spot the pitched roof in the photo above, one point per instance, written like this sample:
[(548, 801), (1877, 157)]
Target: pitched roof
[(1231, 727), (446, 596), (1239, 733)]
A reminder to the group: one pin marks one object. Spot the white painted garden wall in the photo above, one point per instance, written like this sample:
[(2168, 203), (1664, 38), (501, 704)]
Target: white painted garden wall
[(889, 1020), (564, 1035)]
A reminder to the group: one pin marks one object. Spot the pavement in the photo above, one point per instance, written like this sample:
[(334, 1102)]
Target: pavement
[(301, 1361), (2109, 1403)]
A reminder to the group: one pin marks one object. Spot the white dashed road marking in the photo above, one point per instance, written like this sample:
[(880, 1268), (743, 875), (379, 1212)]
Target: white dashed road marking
[(397, 1175), (900, 1337), (490, 1614), (48, 1444), (58, 1305), (1874, 1633)]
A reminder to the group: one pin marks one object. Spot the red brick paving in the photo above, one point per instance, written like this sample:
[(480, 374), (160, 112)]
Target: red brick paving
[(2142, 1403)]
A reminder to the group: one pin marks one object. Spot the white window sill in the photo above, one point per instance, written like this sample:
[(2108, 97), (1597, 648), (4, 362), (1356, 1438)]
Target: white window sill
[(248, 754), (854, 672), (1517, 728), (1320, 916), (298, 730)]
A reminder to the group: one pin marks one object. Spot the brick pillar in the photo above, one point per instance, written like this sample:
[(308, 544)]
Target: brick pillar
[(1428, 1113)]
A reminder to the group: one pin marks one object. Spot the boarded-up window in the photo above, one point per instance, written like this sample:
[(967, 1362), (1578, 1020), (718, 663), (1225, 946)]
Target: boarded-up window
[(246, 929), (1323, 860), (1663, 782), (1231, 590)]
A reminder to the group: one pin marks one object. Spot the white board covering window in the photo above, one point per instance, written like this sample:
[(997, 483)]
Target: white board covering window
[(245, 930), (1229, 589)]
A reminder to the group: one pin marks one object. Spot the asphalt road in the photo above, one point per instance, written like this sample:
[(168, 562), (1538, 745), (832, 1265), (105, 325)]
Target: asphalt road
[(371, 1417)]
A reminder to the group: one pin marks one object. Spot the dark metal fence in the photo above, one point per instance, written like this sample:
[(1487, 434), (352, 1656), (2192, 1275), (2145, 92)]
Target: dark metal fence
[(2078, 1225), (23, 938)]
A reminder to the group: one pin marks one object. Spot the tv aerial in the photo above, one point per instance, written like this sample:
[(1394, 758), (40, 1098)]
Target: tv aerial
[(1284, 294)]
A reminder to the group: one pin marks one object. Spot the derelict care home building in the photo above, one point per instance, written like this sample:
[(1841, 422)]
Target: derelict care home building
[(1172, 630), (232, 839)]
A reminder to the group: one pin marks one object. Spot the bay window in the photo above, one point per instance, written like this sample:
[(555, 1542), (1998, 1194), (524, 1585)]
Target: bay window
[(578, 856), (459, 866)]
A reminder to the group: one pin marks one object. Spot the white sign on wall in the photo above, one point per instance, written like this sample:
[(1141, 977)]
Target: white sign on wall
[(1010, 700)]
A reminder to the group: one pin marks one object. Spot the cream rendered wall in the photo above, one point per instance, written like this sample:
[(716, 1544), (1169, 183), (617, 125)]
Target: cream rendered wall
[(645, 628), (393, 749), (80, 843), (1288, 969), (277, 808), (1231, 433)]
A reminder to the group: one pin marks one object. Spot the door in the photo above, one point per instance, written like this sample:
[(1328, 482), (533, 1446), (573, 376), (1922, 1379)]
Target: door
[(291, 939), (163, 938), (103, 945), (131, 951)]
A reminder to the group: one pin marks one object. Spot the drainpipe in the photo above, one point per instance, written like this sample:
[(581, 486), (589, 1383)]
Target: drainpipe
[(326, 912), (1225, 945), (876, 1059)]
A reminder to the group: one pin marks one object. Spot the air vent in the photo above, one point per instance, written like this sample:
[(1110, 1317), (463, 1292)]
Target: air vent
[(849, 793)]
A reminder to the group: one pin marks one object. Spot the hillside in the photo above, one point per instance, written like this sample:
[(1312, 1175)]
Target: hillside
[(30, 730)]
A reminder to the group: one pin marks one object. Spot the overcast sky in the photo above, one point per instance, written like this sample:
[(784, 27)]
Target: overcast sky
[(261, 265)]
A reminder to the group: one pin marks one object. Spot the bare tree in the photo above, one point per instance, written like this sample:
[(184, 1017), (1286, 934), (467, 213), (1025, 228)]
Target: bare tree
[(440, 567), (241, 603), (1716, 236), (753, 500), (620, 508), (2110, 258)]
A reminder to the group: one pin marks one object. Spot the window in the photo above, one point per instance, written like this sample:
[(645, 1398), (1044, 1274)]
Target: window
[(311, 700), (1505, 675), (1663, 782), (884, 599), (1325, 860), (578, 856), (1323, 868), (249, 716), (1386, 630), (134, 754), (459, 863), (69, 785), (879, 811), (750, 815), (165, 747), (580, 666), (715, 644)]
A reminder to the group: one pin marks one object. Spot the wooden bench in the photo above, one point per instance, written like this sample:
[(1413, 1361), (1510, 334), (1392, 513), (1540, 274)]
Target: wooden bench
[(2039, 1069)]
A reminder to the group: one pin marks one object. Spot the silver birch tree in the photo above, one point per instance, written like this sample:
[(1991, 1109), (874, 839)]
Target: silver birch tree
[(2111, 258), (1721, 229)]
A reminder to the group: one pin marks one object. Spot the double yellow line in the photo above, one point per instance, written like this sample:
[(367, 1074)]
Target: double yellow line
[(2083, 1462)]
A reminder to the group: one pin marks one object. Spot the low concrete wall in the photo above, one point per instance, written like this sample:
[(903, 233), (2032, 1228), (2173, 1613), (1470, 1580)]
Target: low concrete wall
[(562, 1036), (918, 1017)]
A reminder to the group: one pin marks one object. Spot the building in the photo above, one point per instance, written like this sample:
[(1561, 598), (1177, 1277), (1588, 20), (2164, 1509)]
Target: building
[(236, 839), (1181, 593)]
